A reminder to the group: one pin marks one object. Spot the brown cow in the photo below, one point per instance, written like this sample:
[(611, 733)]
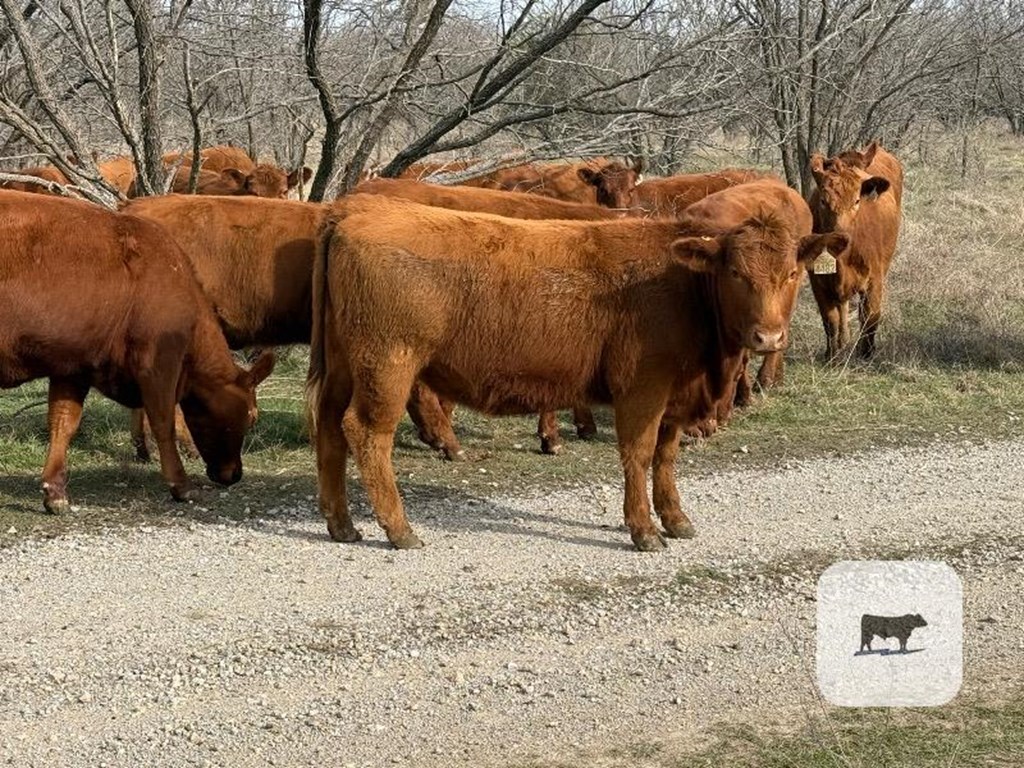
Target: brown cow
[(669, 196), (131, 322), (260, 179), (514, 316), (44, 172), (859, 193), (254, 260), (516, 206), (601, 181)]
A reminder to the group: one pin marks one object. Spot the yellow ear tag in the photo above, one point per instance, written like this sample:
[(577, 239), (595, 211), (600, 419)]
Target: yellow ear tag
[(825, 264), (705, 238)]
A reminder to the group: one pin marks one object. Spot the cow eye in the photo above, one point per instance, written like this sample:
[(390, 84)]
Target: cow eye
[(735, 273), (793, 275)]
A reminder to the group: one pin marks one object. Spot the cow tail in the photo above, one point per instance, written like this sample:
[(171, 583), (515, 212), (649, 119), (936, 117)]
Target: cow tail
[(321, 313)]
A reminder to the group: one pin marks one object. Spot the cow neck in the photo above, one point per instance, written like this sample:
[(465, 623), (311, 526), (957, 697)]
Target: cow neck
[(210, 357), (719, 348)]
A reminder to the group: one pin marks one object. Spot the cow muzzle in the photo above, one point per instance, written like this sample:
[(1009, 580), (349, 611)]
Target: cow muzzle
[(763, 341), (228, 475)]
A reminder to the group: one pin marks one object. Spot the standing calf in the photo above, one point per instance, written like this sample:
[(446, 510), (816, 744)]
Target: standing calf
[(511, 316)]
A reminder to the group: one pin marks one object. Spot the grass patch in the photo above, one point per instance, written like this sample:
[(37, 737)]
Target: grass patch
[(959, 736), (818, 412)]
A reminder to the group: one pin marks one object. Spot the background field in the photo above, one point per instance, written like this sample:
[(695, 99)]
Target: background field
[(950, 369)]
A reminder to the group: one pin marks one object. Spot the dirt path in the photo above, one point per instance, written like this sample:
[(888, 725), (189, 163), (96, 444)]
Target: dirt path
[(525, 630)]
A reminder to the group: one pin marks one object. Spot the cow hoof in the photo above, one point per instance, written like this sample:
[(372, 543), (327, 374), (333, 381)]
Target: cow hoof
[(184, 493), (344, 534), (586, 432), (142, 458), (459, 455), (57, 506), (407, 541), (650, 541), (679, 529), (550, 448)]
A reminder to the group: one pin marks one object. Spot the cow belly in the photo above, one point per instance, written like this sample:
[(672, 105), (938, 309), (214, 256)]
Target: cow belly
[(506, 392)]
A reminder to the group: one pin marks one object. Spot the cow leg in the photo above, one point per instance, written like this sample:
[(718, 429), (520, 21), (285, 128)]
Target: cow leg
[(666, 496), (870, 318), (903, 643), (586, 427), (66, 398), (370, 422), (547, 431), (773, 368), (833, 316), (433, 420), (331, 458), (137, 427), (636, 425), (158, 400), (182, 434)]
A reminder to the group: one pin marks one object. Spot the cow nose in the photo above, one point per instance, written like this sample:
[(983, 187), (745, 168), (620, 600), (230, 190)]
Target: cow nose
[(768, 341)]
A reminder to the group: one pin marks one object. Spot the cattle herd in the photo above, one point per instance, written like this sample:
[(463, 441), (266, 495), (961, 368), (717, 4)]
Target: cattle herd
[(523, 290)]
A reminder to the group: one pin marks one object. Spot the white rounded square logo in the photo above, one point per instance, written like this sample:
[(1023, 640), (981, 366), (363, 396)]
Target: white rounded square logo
[(890, 633)]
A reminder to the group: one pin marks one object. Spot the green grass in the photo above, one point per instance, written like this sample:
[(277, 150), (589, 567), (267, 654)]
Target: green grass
[(818, 412), (969, 735), (961, 736)]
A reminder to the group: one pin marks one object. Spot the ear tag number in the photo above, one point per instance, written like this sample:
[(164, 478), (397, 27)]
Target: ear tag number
[(825, 264)]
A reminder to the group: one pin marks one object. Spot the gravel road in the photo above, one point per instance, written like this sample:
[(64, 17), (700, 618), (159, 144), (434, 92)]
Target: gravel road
[(525, 631)]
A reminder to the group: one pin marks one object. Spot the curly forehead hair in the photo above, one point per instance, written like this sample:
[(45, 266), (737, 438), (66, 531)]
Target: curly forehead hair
[(839, 184), (268, 175), (768, 228)]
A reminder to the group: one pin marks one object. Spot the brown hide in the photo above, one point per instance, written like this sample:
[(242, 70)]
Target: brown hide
[(671, 195), (860, 194), (517, 206), (514, 316), (598, 181), (131, 322), (253, 258), (46, 172), (498, 202)]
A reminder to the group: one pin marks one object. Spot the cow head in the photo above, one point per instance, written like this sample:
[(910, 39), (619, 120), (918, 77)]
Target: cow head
[(613, 182), (270, 181), (219, 418), (843, 184), (917, 620), (757, 269)]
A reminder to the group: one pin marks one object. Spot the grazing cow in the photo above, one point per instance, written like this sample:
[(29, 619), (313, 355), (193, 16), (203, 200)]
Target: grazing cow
[(600, 181), (669, 196), (510, 316), (131, 322), (885, 627), (859, 193), (253, 259), (44, 172)]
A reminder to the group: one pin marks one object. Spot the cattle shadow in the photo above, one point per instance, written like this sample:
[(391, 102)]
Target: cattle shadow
[(130, 494), (889, 652)]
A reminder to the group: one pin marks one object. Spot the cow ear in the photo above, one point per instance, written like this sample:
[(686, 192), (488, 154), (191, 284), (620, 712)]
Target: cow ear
[(638, 164), (293, 177), (234, 176), (262, 367), (588, 176), (817, 164), (872, 187), (698, 254), (812, 246), (868, 154)]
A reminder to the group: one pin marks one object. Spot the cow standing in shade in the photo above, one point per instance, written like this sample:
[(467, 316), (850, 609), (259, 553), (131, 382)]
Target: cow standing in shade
[(861, 194), (518, 316), (132, 322)]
